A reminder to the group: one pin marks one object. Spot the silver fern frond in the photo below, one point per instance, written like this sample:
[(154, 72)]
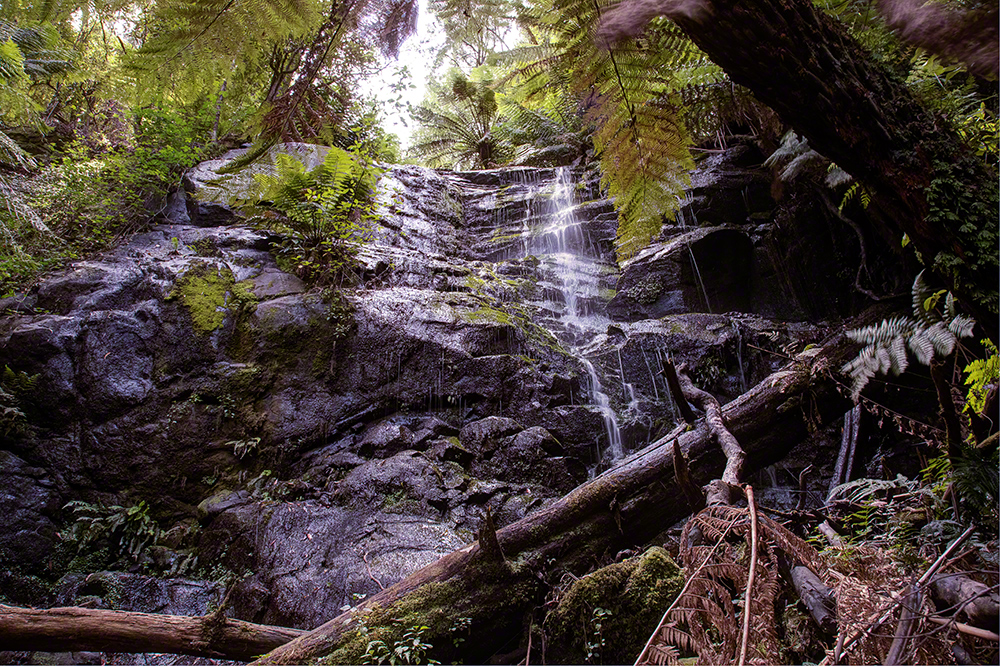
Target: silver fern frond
[(922, 296), (929, 333), (942, 338), (961, 325), (921, 347)]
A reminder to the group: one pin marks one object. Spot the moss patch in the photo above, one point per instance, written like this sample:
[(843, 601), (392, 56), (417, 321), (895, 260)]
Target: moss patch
[(489, 600), (610, 613), (209, 292)]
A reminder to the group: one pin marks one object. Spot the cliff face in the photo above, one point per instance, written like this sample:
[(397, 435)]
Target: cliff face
[(315, 445)]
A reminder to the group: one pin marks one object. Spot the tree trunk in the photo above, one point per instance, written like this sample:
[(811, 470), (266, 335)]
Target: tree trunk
[(624, 507), (803, 64), (76, 629)]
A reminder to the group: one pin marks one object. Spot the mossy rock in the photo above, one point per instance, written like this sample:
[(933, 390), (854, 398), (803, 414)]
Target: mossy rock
[(625, 600), (210, 292)]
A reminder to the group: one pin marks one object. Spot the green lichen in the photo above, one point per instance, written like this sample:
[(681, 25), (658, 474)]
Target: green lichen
[(634, 593), (518, 317), (646, 291), (206, 247)]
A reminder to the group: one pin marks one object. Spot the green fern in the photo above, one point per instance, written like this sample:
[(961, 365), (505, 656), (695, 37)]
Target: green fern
[(928, 333), (458, 125), (129, 529), (631, 95), (327, 201), (982, 376)]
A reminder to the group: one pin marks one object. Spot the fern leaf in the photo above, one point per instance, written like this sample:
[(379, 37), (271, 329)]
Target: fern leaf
[(921, 293), (835, 177), (897, 356), (942, 338), (921, 346), (961, 325), (950, 311)]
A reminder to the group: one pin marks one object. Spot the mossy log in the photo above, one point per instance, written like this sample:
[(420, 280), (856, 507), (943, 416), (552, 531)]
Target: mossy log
[(624, 507), (86, 629)]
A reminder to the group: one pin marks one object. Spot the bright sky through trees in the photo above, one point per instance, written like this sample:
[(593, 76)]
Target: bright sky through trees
[(417, 56)]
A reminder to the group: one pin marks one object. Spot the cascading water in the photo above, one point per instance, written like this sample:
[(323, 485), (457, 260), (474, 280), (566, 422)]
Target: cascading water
[(563, 242)]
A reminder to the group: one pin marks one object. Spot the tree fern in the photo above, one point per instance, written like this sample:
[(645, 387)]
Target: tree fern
[(457, 125), (929, 333)]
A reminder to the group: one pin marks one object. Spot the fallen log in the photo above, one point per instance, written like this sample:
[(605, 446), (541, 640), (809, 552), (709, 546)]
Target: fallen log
[(817, 598), (624, 507), (962, 596), (74, 629)]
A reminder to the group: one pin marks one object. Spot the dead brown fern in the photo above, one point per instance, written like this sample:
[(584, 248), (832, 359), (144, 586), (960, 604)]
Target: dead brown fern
[(707, 616)]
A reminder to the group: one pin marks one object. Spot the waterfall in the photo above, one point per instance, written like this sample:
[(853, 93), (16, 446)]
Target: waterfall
[(574, 263)]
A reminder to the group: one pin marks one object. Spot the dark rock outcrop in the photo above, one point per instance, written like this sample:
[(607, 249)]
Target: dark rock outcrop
[(316, 445)]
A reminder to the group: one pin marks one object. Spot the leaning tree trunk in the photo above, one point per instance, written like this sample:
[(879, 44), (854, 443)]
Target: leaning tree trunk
[(497, 582), (802, 63)]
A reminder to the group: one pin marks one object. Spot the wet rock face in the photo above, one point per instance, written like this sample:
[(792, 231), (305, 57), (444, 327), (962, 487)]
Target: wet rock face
[(319, 444)]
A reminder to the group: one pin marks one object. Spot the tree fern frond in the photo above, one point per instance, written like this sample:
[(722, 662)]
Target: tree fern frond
[(883, 332), (921, 295), (897, 354), (961, 326), (835, 177), (792, 146), (942, 338), (921, 346), (801, 164)]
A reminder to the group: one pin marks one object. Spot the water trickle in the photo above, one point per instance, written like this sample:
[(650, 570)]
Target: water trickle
[(600, 399), (681, 215), (739, 357)]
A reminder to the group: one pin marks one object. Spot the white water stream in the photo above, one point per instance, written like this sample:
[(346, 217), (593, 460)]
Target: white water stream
[(562, 241)]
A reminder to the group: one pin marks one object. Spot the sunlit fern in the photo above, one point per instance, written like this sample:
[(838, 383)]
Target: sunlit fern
[(457, 125)]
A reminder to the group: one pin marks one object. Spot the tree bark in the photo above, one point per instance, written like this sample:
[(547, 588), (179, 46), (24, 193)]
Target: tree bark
[(624, 507), (75, 629), (802, 63), (817, 598), (963, 597), (723, 489)]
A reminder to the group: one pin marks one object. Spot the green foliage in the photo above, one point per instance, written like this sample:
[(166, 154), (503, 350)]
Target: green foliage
[(975, 474), (595, 642), (928, 333), (243, 447), (457, 125), (89, 199), (409, 649), (632, 95), (982, 376), (322, 211), (129, 530), (953, 92), (474, 30), (877, 518), (15, 391)]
